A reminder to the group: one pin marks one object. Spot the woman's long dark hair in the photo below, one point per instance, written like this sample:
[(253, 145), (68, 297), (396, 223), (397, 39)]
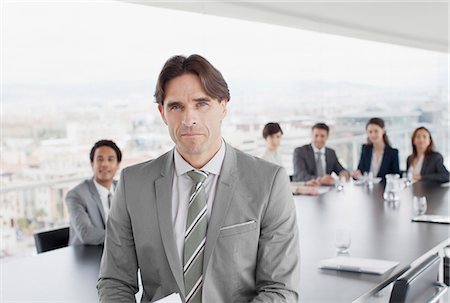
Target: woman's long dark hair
[(430, 147), (380, 123)]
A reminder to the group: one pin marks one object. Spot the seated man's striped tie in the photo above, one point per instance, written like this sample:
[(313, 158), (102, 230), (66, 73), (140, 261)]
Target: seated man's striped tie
[(194, 238)]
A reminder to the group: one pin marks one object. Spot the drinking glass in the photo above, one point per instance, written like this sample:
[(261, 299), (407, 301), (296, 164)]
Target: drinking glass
[(419, 205), (392, 187), (408, 177), (369, 179), (342, 240), (341, 182)]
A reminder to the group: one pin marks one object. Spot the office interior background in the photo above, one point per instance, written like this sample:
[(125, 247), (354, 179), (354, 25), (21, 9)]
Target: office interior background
[(77, 72)]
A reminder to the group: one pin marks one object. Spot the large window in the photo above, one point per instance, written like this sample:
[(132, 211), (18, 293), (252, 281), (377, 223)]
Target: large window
[(74, 73)]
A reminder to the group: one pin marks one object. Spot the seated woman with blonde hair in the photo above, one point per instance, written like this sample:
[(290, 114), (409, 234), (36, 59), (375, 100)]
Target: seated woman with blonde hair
[(425, 163)]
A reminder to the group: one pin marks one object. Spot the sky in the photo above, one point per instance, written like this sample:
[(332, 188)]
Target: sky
[(66, 43)]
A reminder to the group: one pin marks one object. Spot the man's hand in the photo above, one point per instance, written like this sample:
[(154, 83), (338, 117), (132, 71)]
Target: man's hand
[(312, 182), (345, 174), (307, 190), (326, 180), (357, 174)]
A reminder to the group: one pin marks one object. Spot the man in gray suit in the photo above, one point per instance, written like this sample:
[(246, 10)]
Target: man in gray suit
[(314, 162), (204, 220), (89, 202)]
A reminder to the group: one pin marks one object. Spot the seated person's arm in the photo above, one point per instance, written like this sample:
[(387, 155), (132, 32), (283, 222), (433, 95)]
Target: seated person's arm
[(340, 170), (81, 222), (440, 173)]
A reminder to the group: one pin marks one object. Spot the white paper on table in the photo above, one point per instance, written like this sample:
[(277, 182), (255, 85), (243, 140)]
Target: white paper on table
[(361, 265), (173, 298)]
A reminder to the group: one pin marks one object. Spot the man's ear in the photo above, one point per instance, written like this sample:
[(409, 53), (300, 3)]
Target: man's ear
[(161, 111), (223, 104)]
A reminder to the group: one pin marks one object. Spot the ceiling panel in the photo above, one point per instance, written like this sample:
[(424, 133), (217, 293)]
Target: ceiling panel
[(415, 24)]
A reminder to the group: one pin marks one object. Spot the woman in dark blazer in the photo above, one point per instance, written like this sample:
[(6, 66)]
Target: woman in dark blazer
[(425, 163), (377, 156)]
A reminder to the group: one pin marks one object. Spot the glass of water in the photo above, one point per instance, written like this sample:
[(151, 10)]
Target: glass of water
[(340, 183), (419, 205), (342, 241), (408, 177)]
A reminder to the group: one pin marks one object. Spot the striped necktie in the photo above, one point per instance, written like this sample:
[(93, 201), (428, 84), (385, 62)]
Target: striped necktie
[(194, 238)]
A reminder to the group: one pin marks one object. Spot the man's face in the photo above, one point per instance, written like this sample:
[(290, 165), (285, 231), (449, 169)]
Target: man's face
[(319, 137), (193, 118), (105, 164)]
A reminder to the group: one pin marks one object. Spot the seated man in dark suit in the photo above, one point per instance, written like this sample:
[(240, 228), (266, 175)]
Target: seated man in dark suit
[(89, 202), (315, 161)]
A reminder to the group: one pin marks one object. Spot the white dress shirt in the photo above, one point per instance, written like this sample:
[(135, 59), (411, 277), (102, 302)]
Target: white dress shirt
[(181, 189), (322, 151), (417, 168), (375, 164), (103, 192)]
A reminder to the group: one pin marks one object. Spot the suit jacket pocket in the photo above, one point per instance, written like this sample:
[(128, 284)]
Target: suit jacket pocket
[(238, 228)]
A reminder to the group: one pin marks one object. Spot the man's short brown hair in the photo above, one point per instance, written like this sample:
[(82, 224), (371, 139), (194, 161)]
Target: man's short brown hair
[(211, 79)]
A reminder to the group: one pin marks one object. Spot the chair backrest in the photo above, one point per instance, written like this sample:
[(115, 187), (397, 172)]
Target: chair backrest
[(51, 239), (419, 284)]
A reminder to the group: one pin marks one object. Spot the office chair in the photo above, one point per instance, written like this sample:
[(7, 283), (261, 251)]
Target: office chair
[(51, 239), (419, 284)]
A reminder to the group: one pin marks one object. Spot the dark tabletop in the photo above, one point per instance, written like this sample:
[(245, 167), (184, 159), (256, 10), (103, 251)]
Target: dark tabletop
[(62, 275), (379, 230)]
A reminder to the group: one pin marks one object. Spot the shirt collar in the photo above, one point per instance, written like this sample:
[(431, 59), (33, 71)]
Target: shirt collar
[(212, 167), (316, 150), (103, 191)]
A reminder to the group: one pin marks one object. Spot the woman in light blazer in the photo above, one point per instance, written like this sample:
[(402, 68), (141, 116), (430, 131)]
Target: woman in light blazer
[(425, 163), (377, 156)]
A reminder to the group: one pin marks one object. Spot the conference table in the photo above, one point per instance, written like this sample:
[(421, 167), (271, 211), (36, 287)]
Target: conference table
[(379, 230)]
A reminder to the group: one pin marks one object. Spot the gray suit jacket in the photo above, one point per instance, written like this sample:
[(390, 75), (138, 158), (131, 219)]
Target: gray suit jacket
[(87, 217), (305, 163), (252, 243)]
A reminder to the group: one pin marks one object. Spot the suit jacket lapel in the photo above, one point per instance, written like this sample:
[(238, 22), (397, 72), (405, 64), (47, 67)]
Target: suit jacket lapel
[(163, 186), (424, 164), (328, 164), (369, 159), (225, 185), (98, 201), (312, 159)]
